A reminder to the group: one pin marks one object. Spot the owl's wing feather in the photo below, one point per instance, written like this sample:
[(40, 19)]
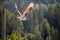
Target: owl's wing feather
[(28, 9), (17, 9)]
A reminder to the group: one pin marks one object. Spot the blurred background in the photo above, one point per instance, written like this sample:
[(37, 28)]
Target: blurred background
[(43, 22)]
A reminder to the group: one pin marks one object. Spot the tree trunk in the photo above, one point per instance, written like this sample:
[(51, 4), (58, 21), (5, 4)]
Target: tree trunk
[(3, 25)]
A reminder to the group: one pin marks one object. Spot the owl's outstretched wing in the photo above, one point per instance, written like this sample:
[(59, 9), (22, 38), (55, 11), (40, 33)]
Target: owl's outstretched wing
[(28, 9), (17, 9)]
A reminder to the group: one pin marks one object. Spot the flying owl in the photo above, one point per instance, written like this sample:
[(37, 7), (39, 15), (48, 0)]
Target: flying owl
[(23, 15)]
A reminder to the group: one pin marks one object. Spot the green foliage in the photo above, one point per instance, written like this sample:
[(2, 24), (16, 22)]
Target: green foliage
[(31, 36), (31, 29), (0, 39), (13, 23), (40, 24), (15, 36), (45, 21), (1, 7)]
